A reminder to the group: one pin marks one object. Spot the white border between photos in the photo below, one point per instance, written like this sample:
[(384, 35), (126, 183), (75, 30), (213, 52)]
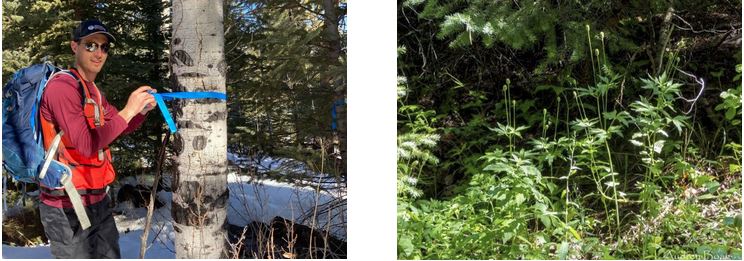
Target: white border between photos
[(371, 138)]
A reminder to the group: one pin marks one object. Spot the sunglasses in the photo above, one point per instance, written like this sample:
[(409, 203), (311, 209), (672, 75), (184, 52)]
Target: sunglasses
[(93, 46)]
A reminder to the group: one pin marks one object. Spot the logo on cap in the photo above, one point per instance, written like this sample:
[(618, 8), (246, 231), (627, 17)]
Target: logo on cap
[(96, 27)]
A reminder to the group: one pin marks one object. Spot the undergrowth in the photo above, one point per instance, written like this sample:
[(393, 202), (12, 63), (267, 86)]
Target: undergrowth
[(585, 178)]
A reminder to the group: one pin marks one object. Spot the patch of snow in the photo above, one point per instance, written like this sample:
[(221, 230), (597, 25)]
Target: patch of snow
[(129, 242), (262, 200), (35, 252)]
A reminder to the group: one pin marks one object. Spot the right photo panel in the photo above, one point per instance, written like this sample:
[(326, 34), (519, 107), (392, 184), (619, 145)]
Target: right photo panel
[(549, 129)]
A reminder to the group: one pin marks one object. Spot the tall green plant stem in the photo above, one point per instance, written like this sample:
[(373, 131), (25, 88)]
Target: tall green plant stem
[(509, 119), (596, 176), (591, 55)]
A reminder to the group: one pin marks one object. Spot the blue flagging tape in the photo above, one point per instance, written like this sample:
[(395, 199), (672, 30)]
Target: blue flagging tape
[(160, 98), (337, 103)]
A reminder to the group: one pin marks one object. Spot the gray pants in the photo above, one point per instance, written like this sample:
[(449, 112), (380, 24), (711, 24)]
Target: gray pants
[(68, 240)]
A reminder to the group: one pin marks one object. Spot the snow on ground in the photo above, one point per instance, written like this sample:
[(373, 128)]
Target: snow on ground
[(130, 225), (36, 252), (262, 200), (129, 242), (250, 200)]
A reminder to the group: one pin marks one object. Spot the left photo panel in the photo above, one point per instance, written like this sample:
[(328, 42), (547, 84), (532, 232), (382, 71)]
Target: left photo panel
[(174, 129)]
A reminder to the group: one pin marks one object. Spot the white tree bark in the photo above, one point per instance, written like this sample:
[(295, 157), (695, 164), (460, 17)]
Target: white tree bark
[(200, 179)]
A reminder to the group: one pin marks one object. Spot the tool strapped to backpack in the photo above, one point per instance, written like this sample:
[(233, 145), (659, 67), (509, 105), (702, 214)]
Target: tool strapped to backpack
[(35, 151)]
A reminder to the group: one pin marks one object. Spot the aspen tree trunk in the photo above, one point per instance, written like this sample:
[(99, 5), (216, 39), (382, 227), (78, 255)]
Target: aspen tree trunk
[(200, 179)]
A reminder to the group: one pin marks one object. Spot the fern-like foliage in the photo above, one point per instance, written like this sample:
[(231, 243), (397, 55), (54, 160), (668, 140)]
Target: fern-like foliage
[(414, 152)]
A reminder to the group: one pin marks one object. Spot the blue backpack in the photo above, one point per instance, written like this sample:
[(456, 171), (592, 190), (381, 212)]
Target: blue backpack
[(24, 156)]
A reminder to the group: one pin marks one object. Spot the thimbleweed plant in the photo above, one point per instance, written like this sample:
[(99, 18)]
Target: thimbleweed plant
[(510, 131), (653, 118)]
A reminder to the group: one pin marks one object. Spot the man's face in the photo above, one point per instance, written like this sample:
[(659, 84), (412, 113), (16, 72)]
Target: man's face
[(88, 61)]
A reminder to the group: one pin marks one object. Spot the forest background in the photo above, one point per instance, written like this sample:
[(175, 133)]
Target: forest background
[(286, 68), (569, 129)]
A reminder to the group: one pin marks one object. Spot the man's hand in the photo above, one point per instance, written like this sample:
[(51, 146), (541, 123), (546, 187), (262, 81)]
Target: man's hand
[(151, 105), (138, 101)]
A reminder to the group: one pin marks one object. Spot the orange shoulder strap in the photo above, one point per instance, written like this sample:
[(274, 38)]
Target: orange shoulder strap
[(93, 110), (48, 131)]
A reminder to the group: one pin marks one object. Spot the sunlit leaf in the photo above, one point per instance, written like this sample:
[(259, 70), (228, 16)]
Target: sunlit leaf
[(563, 250), (611, 183), (574, 233), (519, 199), (506, 236), (405, 244)]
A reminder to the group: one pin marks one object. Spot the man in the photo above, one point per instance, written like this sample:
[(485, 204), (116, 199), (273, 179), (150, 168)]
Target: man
[(89, 126)]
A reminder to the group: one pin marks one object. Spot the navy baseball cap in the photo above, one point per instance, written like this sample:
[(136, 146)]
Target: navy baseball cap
[(90, 27)]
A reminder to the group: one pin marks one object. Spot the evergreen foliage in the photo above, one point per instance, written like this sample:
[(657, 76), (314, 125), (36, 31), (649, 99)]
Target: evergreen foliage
[(284, 77)]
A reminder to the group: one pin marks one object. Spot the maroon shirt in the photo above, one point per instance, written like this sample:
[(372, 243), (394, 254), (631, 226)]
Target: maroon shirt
[(61, 104)]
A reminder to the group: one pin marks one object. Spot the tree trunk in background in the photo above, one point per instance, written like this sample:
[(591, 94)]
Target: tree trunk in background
[(333, 39), (331, 29), (200, 181)]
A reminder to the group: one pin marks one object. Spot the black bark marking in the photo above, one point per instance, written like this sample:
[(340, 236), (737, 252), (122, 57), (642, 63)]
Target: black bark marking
[(176, 41), (177, 144), (221, 201), (217, 116), (182, 57), (199, 143), (210, 66), (196, 213), (206, 100), (192, 74), (187, 124)]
